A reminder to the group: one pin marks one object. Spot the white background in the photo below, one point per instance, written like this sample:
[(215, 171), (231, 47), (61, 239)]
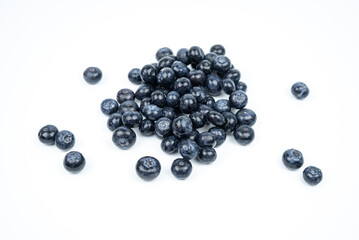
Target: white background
[(247, 193)]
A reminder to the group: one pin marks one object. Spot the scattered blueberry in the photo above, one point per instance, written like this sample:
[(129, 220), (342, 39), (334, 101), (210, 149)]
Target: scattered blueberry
[(218, 49), (228, 86), (158, 98), (246, 116), (135, 76), (188, 103), (144, 91), (233, 74), (231, 122), (152, 112), (241, 86), (300, 90), (131, 119), (166, 77), (109, 106), (182, 85), (292, 159), (92, 75), (222, 105), (205, 66), (198, 119), (124, 137), (74, 162), (244, 134), (47, 134), (148, 168), (114, 121), (147, 127), (173, 99), (221, 64), (312, 175), (213, 85), (163, 127), (206, 139), (207, 155), (181, 168), (166, 62), (163, 52), (182, 55), (148, 74), (188, 149), (238, 99), (182, 126), (216, 118), (128, 106), (180, 69), (196, 55), (125, 94), (197, 77), (65, 140), (170, 144), (219, 134)]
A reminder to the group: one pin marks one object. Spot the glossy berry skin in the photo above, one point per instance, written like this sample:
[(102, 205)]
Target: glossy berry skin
[(293, 159), (210, 57), (128, 106), (148, 74), (312, 175), (148, 168), (144, 91), (47, 134), (193, 136), (144, 103), (228, 86), (213, 85), (219, 134), (170, 144), (233, 74), (210, 101), (205, 66), (65, 140), (132, 119), (246, 116), (114, 121), (221, 64), (195, 54), (206, 139), (92, 75), (222, 105), (182, 126), (152, 112), (147, 127), (231, 122), (166, 77), (241, 86), (163, 52), (182, 85), (216, 118), (74, 162), (124, 137), (188, 103), (163, 127), (218, 49), (135, 76), (173, 99), (198, 119), (158, 98), (181, 168), (168, 112), (244, 134), (180, 69), (207, 155), (125, 94), (199, 93), (166, 62), (188, 149), (204, 109), (300, 90), (109, 106), (182, 55), (238, 99), (197, 77)]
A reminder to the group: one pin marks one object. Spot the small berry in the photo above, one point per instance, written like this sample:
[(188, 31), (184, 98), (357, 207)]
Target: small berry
[(244, 134), (300, 90), (207, 155), (47, 134), (65, 140), (292, 159), (148, 168), (74, 162), (124, 137), (92, 75), (109, 106), (181, 168), (218, 49), (312, 175)]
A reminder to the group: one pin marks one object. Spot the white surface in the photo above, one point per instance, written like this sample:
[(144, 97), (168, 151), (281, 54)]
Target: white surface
[(247, 193)]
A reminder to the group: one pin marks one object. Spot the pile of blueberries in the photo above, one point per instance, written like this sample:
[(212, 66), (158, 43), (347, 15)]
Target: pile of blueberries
[(175, 102)]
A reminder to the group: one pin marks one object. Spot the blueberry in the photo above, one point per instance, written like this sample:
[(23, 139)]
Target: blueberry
[(241, 86), (148, 168), (222, 105), (170, 144), (92, 75), (163, 52), (168, 112), (292, 159), (163, 127), (114, 121), (132, 119), (210, 101), (47, 134), (74, 162), (155, 65), (216, 118), (193, 136), (181, 168), (182, 126), (109, 106), (300, 90), (221, 64), (195, 54), (180, 69), (124, 137), (128, 106), (166, 62), (173, 99), (148, 74), (147, 127), (204, 109), (228, 86), (238, 99), (233, 74), (213, 84), (144, 91), (166, 77), (243, 134), (152, 112), (246, 116), (210, 57), (135, 76), (182, 85), (219, 134), (218, 49), (196, 77), (188, 149), (199, 93), (207, 155), (205, 66), (188, 103), (312, 175), (198, 119), (206, 139), (144, 103), (65, 140), (125, 94), (182, 55), (158, 98), (231, 122)]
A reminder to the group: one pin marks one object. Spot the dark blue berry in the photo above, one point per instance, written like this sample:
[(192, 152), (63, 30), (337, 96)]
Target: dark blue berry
[(205, 66), (206, 139), (47, 134), (222, 105), (188, 103), (65, 140), (128, 106), (193, 136), (182, 85), (182, 55), (166, 62), (155, 65), (147, 127), (233, 74), (218, 49), (210, 57), (228, 86), (132, 119), (148, 168), (114, 121), (293, 159), (213, 84), (231, 122), (219, 134), (241, 86), (144, 91), (166, 77), (124, 137), (158, 98), (210, 101), (148, 74), (238, 99), (199, 93), (196, 55), (144, 103), (180, 69), (207, 155), (125, 94), (246, 116), (243, 134), (312, 175), (196, 77), (181, 168), (173, 99), (109, 106), (152, 112), (135, 76), (216, 118), (198, 119), (170, 144), (188, 149), (163, 52), (182, 126), (74, 162), (92, 75), (168, 112), (204, 109), (300, 90), (163, 127), (221, 64)]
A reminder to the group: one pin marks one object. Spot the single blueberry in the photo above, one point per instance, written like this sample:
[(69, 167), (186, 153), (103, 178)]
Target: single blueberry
[(148, 168), (65, 140), (312, 175), (114, 121), (180, 69), (231, 122), (193, 136), (233, 74), (216, 118), (205, 110), (155, 65), (246, 116), (125, 94), (218, 49), (199, 93), (152, 112), (158, 98), (238, 99), (195, 54), (228, 86), (182, 55), (47, 134), (188, 103), (206, 139), (92, 75), (109, 106), (213, 84), (221, 64), (132, 119), (163, 127), (181, 168), (198, 119), (222, 105), (144, 91), (168, 112), (219, 134), (210, 101), (300, 90), (163, 52), (182, 126), (148, 74), (244, 134), (210, 57), (124, 137), (170, 144), (188, 149), (182, 85), (147, 127), (74, 162), (293, 159), (207, 155), (173, 99), (205, 66), (128, 106), (135, 76), (241, 86), (166, 77), (196, 77), (166, 62), (144, 103)]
